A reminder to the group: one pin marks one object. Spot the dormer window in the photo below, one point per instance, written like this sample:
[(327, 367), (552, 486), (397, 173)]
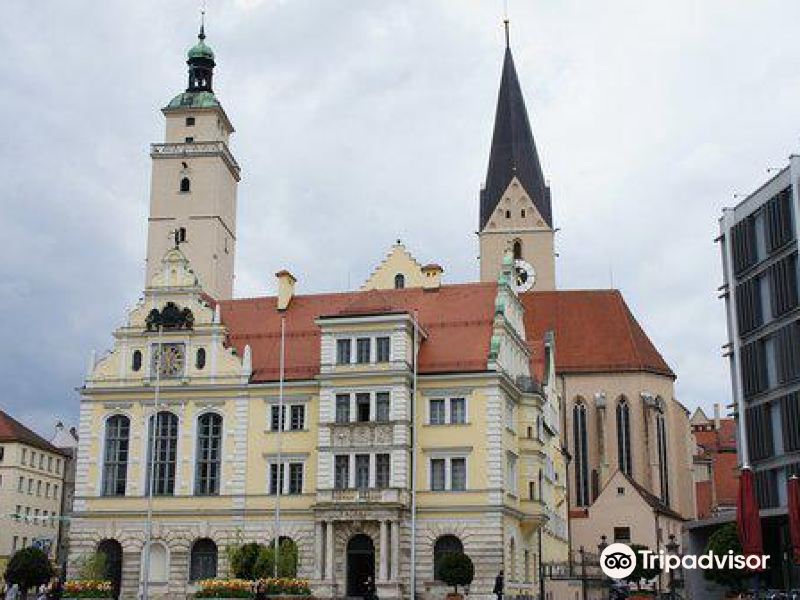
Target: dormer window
[(186, 185)]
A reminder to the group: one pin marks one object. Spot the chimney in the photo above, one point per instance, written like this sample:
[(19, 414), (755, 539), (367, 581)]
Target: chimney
[(716, 416), (432, 277), (286, 283)]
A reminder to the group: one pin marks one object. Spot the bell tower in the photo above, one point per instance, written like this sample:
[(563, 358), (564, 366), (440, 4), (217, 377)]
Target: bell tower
[(194, 181), (515, 210)]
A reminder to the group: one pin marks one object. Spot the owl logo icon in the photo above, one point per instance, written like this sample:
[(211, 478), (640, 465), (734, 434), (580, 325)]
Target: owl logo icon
[(618, 561)]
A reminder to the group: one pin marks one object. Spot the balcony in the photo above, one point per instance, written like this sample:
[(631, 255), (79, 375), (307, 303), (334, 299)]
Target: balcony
[(366, 434), (534, 513), (373, 496), (195, 149)]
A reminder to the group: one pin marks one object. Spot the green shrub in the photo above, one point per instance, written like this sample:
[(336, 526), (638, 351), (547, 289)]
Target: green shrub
[(243, 560), (29, 568), (720, 542), (456, 569), (287, 560)]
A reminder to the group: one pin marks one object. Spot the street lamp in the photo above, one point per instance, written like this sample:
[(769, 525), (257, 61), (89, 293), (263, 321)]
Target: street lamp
[(672, 547)]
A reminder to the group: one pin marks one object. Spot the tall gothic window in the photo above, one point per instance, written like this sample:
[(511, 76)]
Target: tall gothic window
[(115, 460), (581, 443), (162, 452), (624, 436), (663, 462), (209, 455)]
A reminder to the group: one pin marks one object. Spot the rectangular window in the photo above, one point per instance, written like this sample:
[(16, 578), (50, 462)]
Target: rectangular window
[(778, 220), (458, 474), (21, 484), (276, 422), (276, 478), (790, 417), (298, 417), (343, 352), (362, 471), (748, 305), (382, 348), (24, 455), (362, 407), (296, 478), (18, 513), (342, 408), (342, 471), (743, 241), (30, 486), (47, 490), (754, 368), (41, 461), (783, 286), (458, 411), (33, 458), (39, 488), (759, 431), (382, 407), (16, 543), (49, 464), (362, 350), (787, 342), (55, 491), (437, 411), (2, 453), (190, 121), (58, 465), (437, 474), (622, 534), (382, 469)]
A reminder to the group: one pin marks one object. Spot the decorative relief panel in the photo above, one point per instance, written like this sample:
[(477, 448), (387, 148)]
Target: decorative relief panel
[(361, 434)]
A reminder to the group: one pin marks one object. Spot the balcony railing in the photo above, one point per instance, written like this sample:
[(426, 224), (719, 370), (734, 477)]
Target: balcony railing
[(193, 149), (363, 496)]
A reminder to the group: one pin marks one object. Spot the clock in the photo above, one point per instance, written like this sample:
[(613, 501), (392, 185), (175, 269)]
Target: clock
[(524, 276), (169, 361)]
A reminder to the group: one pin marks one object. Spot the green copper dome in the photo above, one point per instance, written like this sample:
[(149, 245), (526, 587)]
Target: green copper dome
[(201, 50)]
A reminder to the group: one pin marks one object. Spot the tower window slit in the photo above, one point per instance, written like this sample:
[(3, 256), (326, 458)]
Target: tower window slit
[(186, 185)]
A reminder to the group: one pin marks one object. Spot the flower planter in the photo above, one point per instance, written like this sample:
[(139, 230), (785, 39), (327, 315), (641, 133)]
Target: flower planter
[(454, 596)]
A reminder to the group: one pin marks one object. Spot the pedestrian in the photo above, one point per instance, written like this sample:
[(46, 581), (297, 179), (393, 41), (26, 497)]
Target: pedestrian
[(56, 589), (13, 592), (370, 592), (261, 591), (498, 586)]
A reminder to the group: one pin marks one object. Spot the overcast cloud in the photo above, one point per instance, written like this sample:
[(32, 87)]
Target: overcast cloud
[(359, 122)]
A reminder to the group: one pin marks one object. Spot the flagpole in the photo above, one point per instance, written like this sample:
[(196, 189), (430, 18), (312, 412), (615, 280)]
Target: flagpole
[(279, 468), (149, 462), (413, 565)]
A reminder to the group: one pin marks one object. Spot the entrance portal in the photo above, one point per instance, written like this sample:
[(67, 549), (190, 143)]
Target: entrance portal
[(360, 564), (113, 553)]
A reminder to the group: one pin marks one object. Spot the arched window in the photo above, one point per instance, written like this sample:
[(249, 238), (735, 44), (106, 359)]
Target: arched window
[(162, 453), (508, 214), (399, 281), (200, 359), (517, 249), (115, 459), (663, 460), (624, 436), (209, 455), (581, 444), (136, 360), (447, 544), (158, 562), (522, 213), (203, 562), (186, 185)]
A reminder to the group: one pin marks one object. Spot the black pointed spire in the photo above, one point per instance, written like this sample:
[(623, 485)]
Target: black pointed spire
[(201, 62), (513, 150)]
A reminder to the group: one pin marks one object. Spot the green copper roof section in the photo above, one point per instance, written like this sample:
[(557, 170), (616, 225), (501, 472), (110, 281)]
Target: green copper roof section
[(201, 50), (194, 100)]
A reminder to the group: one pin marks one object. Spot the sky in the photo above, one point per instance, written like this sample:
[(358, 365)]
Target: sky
[(361, 122)]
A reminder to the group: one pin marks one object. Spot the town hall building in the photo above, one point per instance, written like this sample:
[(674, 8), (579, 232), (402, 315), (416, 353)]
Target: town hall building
[(377, 429)]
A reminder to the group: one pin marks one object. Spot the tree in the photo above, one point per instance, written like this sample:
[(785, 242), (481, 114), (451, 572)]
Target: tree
[(287, 560), (725, 539), (29, 568), (243, 560), (456, 569), (93, 566), (640, 572)]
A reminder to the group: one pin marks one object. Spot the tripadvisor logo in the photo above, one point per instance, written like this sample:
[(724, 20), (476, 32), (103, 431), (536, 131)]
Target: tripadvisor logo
[(618, 561)]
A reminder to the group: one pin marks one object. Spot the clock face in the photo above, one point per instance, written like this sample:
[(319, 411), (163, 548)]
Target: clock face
[(524, 276), (170, 360)]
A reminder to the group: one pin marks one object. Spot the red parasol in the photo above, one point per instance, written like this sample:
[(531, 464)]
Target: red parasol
[(794, 515), (748, 521)]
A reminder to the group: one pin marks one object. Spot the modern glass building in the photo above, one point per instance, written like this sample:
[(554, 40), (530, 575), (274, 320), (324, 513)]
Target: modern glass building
[(759, 255)]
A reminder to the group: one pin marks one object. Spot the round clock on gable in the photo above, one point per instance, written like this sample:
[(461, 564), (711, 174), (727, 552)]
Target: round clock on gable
[(524, 276)]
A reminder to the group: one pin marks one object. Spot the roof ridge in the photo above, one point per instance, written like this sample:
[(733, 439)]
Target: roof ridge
[(18, 432)]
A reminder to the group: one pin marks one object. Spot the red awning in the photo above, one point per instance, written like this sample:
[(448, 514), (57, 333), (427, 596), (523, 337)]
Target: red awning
[(794, 515), (748, 521)]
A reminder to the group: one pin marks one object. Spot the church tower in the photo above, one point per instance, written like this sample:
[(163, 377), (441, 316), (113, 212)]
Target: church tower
[(194, 181), (515, 211)]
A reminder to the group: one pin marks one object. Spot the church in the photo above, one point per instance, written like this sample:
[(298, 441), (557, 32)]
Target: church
[(375, 429)]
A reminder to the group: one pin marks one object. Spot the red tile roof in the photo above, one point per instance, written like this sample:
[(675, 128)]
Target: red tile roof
[(720, 447), (12, 430), (594, 330)]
